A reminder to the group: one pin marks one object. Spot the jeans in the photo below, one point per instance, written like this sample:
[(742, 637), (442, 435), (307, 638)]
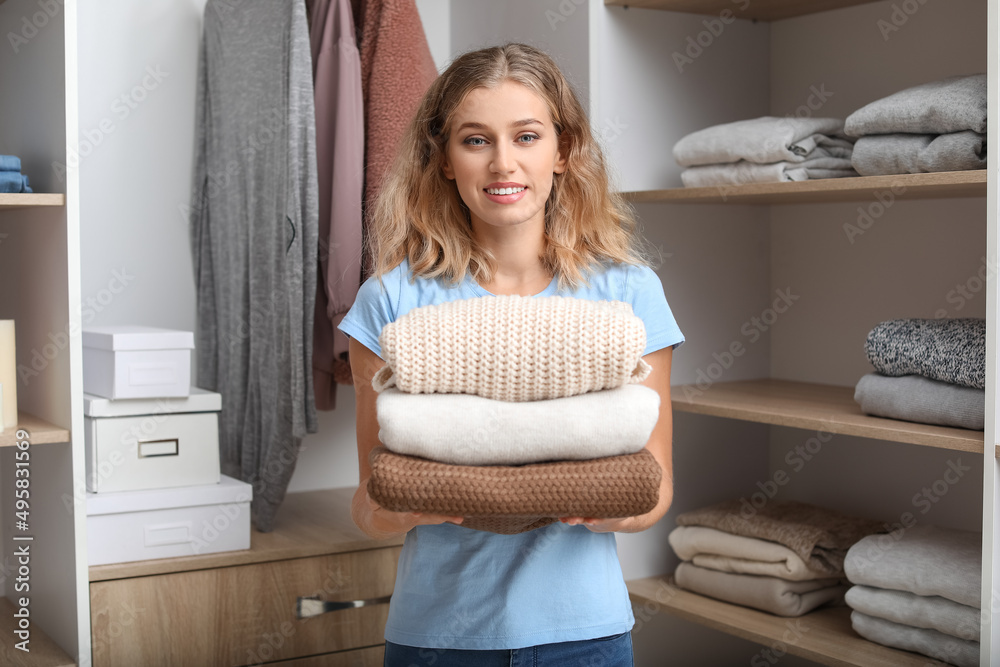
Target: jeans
[(613, 651)]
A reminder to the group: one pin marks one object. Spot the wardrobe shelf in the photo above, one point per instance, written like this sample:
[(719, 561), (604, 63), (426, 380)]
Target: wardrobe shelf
[(826, 408), (824, 636), (24, 200), (760, 10), (40, 431), (44, 652), (904, 187)]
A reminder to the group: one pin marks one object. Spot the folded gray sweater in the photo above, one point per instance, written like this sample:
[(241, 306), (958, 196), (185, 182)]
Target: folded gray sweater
[(881, 154), (762, 140), (953, 104), (918, 399), (931, 612), (931, 643), (949, 350)]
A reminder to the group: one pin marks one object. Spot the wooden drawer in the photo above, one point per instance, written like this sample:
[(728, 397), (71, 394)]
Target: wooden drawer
[(241, 615), (362, 657)]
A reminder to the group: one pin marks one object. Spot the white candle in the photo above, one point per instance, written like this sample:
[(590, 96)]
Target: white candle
[(8, 373)]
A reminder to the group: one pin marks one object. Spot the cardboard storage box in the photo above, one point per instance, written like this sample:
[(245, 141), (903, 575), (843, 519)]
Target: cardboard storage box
[(138, 444), (165, 523), (136, 362)]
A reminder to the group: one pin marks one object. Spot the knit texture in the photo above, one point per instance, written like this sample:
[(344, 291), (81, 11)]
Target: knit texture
[(949, 350), (513, 348), (617, 486)]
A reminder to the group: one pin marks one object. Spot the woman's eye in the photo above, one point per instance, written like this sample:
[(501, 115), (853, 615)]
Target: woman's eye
[(527, 138), (475, 141)]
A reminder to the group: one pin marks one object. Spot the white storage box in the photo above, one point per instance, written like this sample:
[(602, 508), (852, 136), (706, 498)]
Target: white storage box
[(139, 444), (136, 362), (165, 523)]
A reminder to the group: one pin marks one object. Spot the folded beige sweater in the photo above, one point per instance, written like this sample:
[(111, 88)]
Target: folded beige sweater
[(513, 348), (719, 550)]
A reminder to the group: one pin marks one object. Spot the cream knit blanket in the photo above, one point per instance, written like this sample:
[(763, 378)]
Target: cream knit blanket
[(471, 430), (513, 348)]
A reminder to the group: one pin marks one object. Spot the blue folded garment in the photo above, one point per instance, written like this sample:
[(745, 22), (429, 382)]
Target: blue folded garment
[(12, 181), (10, 163)]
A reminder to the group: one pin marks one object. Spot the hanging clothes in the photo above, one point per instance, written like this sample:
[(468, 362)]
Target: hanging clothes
[(396, 70), (254, 227), (340, 152)]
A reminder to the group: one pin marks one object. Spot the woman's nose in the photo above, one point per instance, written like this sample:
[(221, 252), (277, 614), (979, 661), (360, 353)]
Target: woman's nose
[(503, 162)]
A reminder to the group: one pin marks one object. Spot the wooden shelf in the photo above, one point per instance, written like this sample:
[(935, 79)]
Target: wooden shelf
[(309, 523), (44, 652), (12, 201), (760, 10), (824, 636), (815, 407), (41, 431), (938, 185)]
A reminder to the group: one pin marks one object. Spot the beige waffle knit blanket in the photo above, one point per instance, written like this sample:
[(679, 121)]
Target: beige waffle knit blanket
[(510, 499), (513, 348)]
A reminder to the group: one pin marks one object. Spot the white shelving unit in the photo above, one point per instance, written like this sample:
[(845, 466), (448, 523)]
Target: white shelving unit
[(40, 290)]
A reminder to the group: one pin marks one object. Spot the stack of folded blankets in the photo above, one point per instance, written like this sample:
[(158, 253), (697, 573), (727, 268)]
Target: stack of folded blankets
[(11, 178), (785, 557), (931, 371), (937, 126), (919, 590), (515, 411), (765, 150)]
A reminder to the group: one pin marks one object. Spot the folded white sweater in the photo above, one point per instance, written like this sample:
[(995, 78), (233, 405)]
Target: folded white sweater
[(464, 429)]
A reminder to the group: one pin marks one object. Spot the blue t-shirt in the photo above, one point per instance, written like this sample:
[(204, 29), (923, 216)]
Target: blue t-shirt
[(470, 589)]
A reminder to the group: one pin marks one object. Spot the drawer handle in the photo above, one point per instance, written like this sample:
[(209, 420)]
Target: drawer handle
[(151, 448), (307, 607)]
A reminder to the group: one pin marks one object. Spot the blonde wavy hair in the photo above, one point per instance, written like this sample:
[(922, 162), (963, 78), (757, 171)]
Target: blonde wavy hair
[(419, 215)]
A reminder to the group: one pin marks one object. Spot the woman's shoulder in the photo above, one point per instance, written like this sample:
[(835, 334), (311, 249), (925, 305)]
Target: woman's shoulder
[(619, 281)]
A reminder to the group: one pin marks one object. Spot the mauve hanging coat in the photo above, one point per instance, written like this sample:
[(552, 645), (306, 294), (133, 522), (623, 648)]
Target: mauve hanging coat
[(254, 238)]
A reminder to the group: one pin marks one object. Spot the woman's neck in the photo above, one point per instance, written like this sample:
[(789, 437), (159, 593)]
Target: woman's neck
[(518, 254)]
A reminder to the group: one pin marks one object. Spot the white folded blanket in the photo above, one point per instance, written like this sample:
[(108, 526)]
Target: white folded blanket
[(931, 643), (762, 140), (923, 559), (920, 611), (464, 429), (718, 550), (953, 104), (770, 594)]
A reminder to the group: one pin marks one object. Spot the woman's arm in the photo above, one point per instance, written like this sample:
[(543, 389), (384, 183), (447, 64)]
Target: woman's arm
[(660, 445), (375, 521)]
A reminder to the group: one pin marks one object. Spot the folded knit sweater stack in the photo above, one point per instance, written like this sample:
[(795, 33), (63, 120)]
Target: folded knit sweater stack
[(513, 411)]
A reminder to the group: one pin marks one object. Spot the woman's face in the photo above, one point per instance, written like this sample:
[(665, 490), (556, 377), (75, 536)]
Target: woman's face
[(502, 152)]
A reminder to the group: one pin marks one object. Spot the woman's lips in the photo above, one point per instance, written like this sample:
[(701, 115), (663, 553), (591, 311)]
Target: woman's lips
[(516, 193)]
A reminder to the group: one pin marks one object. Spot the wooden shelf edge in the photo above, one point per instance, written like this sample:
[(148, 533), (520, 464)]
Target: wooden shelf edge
[(40, 431), (759, 10), (25, 200), (824, 408), (904, 187), (44, 652), (824, 636)]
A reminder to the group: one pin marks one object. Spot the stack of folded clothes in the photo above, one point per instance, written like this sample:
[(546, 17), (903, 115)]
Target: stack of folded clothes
[(937, 126), (11, 178), (931, 371), (919, 591), (765, 150), (514, 411), (785, 558)]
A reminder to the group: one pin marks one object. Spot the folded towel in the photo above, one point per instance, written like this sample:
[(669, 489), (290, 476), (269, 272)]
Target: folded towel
[(513, 348), (920, 611), (472, 430), (949, 350), (12, 181), (931, 643), (617, 486), (917, 153), (953, 104), (741, 173), (923, 559), (770, 594), (762, 140), (820, 536), (717, 550), (918, 399), (10, 163)]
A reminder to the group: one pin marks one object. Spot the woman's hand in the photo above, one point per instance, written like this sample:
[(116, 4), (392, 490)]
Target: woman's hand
[(380, 523)]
